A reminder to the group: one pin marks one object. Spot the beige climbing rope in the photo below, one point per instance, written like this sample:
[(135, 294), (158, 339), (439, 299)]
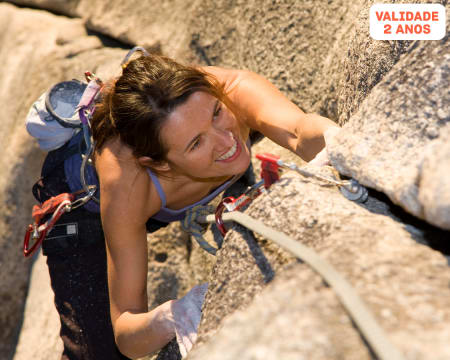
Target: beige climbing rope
[(361, 315)]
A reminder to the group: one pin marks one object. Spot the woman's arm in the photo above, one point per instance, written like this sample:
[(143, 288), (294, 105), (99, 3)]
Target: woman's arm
[(264, 108), (124, 209)]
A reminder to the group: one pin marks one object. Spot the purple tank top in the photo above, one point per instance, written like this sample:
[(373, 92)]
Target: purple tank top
[(169, 215)]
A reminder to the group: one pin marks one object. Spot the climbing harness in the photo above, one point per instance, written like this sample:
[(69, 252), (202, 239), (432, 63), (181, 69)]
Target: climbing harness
[(56, 206), (354, 305), (72, 112)]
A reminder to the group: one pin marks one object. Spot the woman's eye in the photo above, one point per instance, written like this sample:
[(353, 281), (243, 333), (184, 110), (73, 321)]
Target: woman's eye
[(218, 110), (195, 145)]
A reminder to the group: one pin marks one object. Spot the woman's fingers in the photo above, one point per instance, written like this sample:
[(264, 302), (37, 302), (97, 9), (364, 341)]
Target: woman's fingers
[(186, 335), (330, 133), (322, 159), (187, 315), (197, 295)]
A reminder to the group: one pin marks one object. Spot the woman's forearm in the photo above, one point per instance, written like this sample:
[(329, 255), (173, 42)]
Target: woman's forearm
[(310, 139), (139, 334)]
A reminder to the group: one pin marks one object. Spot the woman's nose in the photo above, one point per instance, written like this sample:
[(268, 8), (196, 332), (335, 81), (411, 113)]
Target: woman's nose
[(224, 140)]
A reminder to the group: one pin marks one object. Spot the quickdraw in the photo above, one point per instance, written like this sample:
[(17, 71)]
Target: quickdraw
[(57, 206), (270, 173), (231, 204)]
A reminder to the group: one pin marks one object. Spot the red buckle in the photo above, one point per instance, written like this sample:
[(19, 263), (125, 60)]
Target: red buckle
[(269, 168)]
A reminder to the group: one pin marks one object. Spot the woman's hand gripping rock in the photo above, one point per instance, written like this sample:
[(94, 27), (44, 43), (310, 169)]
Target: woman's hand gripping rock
[(322, 159), (186, 315)]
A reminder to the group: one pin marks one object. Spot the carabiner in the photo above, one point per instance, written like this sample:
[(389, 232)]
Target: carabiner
[(39, 231), (124, 62), (218, 214), (83, 200)]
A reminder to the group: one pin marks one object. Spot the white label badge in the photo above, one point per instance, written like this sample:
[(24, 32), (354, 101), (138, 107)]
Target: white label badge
[(407, 21)]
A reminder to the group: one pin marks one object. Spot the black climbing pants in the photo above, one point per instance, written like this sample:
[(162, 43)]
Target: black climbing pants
[(79, 281)]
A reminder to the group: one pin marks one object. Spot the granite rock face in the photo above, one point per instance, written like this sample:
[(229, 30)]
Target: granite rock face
[(383, 145), (39, 313), (298, 45), (319, 53), (175, 265), (434, 191), (38, 50), (66, 7), (391, 97), (162, 25), (297, 316)]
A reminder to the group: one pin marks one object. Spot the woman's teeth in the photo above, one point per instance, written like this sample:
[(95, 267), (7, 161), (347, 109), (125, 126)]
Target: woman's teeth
[(230, 152)]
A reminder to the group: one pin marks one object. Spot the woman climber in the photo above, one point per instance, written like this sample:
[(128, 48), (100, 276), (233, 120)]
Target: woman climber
[(167, 137)]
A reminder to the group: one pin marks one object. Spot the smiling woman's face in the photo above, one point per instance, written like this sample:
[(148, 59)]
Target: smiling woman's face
[(204, 139)]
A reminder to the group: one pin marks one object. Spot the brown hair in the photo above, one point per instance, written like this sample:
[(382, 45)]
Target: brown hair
[(136, 105)]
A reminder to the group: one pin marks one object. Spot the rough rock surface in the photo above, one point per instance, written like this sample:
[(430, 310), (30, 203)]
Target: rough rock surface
[(38, 49), (298, 316), (163, 24), (175, 264), (321, 56), (434, 186), (66, 7), (319, 53), (40, 313), (383, 145)]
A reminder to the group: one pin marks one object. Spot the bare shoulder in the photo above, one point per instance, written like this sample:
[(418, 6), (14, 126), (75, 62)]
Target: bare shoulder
[(125, 186), (229, 77)]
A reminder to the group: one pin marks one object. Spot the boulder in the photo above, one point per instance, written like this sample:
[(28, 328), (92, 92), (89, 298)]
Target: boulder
[(159, 26), (384, 144)]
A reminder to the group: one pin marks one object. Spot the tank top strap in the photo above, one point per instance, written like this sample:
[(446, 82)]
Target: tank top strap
[(159, 188)]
